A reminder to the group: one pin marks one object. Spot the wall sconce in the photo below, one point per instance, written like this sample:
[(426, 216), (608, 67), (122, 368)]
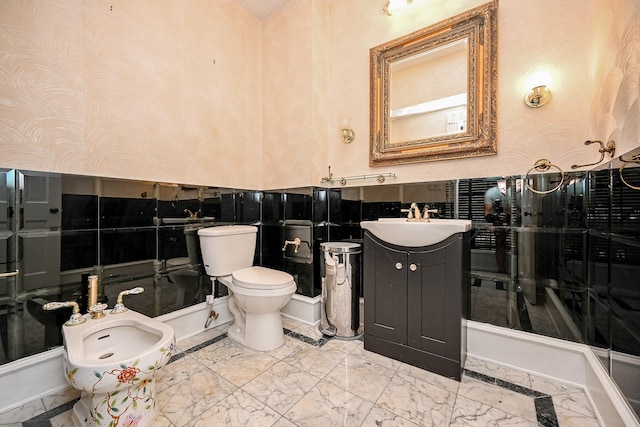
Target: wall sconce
[(348, 135), (538, 96), (395, 4)]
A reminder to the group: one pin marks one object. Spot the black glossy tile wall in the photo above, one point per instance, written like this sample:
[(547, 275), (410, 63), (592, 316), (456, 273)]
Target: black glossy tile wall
[(127, 245), (78, 249), (374, 210), (272, 208), (212, 207), (298, 206), (248, 207), (171, 243), (79, 212), (125, 212)]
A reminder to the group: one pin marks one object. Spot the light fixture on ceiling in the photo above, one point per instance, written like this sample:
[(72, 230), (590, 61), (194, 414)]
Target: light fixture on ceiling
[(395, 5), (348, 135)]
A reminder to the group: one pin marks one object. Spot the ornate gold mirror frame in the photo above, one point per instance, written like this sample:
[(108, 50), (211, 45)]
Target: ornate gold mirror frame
[(439, 131)]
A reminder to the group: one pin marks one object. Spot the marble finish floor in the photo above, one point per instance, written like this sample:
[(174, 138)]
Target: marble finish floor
[(312, 381)]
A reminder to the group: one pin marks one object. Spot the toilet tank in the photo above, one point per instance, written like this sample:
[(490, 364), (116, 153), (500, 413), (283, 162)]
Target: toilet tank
[(227, 248)]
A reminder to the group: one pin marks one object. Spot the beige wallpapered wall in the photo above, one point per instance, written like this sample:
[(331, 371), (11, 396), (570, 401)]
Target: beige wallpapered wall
[(130, 88)]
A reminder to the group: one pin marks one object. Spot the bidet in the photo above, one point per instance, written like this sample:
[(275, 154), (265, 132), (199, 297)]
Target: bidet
[(113, 362)]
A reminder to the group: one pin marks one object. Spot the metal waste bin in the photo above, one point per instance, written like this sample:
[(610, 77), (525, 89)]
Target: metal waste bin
[(340, 275)]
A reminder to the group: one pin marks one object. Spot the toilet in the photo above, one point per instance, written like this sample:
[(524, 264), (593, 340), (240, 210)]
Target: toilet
[(256, 294)]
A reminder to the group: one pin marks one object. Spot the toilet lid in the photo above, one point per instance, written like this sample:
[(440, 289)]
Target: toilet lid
[(261, 278)]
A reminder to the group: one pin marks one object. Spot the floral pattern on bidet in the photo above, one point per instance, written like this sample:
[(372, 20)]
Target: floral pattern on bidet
[(133, 396)]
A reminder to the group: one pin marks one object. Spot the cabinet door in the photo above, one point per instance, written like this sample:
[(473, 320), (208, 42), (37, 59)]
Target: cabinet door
[(385, 292), (434, 295)]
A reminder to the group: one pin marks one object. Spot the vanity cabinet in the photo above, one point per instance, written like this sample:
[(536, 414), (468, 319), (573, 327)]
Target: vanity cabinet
[(416, 301)]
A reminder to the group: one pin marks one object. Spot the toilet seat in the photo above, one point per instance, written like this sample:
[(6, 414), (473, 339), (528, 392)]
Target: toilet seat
[(261, 278)]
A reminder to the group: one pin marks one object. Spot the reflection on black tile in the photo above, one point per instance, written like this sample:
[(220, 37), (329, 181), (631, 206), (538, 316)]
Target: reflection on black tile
[(122, 212)]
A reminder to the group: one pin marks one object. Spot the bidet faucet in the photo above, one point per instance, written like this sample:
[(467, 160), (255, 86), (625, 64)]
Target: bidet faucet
[(76, 317), (119, 307)]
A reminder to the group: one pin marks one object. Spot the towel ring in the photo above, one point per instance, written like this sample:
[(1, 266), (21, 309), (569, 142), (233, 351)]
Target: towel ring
[(543, 165), (636, 160)]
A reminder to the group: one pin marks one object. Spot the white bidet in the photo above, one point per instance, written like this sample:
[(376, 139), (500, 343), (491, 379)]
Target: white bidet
[(113, 362)]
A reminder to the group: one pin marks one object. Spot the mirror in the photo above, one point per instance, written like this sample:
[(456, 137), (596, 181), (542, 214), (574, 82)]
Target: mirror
[(433, 92)]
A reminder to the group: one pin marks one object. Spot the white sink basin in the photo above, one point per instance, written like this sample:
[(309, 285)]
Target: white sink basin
[(400, 232)]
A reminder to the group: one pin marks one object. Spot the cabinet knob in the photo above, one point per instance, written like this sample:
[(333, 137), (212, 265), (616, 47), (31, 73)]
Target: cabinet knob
[(413, 267), (398, 266)]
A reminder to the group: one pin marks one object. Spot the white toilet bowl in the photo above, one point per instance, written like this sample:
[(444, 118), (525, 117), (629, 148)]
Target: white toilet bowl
[(258, 294)]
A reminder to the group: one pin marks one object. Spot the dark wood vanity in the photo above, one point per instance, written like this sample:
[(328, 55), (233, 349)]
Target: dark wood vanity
[(416, 301)]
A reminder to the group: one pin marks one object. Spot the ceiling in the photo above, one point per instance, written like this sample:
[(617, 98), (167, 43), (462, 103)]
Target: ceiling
[(261, 8)]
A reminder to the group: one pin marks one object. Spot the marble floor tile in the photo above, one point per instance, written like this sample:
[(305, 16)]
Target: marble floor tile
[(498, 371), (238, 409), (290, 346), (417, 401), (318, 363), (188, 398), (281, 386), (242, 368), (568, 418), (177, 371), (331, 382), (63, 420), (468, 412), (360, 352), (497, 397), (552, 387), (577, 402), (379, 417), (427, 376), (328, 405), (360, 377), (345, 345)]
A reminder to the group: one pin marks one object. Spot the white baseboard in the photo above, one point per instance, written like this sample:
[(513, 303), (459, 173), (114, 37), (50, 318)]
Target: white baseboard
[(556, 359), (304, 309)]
